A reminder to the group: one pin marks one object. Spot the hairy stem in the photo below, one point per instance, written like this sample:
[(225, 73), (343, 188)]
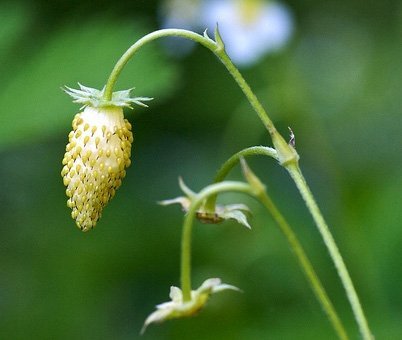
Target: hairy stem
[(286, 229), (111, 82), (333, 250), (287, 155), (305, 265), (252, 98), (217, 49), (188, 227)]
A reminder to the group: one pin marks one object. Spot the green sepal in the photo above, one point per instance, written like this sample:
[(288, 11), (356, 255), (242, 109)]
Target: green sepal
[(89, 96), (218, 38)]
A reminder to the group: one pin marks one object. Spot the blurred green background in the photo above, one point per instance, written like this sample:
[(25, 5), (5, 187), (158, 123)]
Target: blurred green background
[(337, 84)]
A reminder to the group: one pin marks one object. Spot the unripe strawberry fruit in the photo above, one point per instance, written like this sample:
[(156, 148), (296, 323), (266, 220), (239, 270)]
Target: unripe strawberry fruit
[(96, 157)]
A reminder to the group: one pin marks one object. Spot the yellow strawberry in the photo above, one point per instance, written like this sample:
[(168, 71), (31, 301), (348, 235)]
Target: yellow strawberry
[(97, 154)]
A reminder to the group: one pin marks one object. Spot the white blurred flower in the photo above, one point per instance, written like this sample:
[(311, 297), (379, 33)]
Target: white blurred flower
[(249, 28), (182, 14), (177, 308)]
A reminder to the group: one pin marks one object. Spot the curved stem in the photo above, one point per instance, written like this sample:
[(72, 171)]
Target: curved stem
[(231, 162), (306, 266), (208, 43), (284, 226), (234, 159), (287, 156), (216, 48), (252, 98), (213, 189), (289, 160), (333, 250)]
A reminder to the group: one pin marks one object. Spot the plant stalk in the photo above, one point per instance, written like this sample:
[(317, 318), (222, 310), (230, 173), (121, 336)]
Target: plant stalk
[(198, 199), (305, 265), (233, 161), (333, 250), (287, 157)]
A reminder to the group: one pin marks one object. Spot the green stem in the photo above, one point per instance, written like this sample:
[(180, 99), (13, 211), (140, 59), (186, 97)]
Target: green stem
[(188, 226), (234, 159), (285, 152), (231, 162), (286, 229), (305, 264), (216, 48), (287, 156), (289, 159), (111, 82), (295, 245), (333, 250), (252, 98)]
